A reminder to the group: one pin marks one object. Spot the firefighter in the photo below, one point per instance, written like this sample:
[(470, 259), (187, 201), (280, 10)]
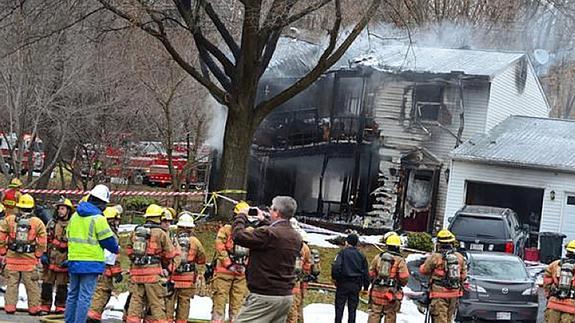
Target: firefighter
[(23, 241), (560, 287), (55, 260), (229, 282), (191, 253), (151, 252), (12, 195), (307, 268), (112, 273), (448, 275), (388, 273)]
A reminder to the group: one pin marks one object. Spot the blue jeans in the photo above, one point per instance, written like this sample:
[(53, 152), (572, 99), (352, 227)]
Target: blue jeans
[(80, 293)]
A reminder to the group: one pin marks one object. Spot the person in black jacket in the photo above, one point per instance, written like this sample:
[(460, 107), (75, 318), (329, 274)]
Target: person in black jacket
[(350, 273)]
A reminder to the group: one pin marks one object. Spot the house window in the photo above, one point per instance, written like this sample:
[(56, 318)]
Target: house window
[(570, 200), (428, 102)]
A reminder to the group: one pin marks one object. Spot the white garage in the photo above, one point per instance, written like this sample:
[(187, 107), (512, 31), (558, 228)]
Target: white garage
[(524, 163)]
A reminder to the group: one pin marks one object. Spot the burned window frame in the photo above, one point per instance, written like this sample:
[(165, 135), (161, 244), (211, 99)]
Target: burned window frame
[(444, 116)]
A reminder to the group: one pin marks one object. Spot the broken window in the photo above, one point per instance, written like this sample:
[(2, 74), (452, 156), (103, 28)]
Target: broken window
[(428, 100)]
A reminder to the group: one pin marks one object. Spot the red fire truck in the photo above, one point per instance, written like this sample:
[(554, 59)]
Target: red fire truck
[(9, 148), (146, 162)]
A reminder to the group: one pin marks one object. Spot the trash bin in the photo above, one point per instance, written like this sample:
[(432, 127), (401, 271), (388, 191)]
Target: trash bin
[(551, 246)]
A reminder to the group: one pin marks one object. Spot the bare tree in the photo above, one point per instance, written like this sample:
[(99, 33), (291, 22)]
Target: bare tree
[(231, 74)]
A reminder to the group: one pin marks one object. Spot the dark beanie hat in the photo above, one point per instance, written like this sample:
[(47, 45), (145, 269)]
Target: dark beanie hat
[(352, 239)]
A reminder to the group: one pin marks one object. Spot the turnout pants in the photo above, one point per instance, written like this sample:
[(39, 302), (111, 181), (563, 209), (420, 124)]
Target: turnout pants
[(346, 292), (295, 314), (442, 310), (178, 304), (264, 309), (101, 297), (227, 288), (389, 311), (554, 316), (151, 296), (50, 280), (30, 280)]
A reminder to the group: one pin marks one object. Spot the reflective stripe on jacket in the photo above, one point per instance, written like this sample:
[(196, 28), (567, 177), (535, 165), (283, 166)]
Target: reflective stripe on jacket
[(36, 237), (158, 246), (84, 234), (399, 272), (434, 267)]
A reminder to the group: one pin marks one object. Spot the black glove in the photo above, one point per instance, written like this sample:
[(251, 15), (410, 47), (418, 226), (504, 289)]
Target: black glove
[(118, 278)]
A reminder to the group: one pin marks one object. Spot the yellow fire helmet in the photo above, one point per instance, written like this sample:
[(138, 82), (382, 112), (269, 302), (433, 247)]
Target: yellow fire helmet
[(26, 201), (66, 202), (15, 183), (445, 236), (393, 240), (111, 213), (389, 234), (240, 206), (154, 213), (167, 215), (570, 246)]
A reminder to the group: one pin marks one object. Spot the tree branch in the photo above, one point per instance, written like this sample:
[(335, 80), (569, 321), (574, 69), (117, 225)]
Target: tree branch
[(297, 16), (221, 27), (323, 64), (214, 90)]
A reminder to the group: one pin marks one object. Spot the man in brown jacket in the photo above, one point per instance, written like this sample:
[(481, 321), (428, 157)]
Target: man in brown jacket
[(270, 271)]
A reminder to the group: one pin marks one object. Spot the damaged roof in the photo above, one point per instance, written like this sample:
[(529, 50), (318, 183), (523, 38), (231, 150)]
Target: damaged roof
[(294, 58), (396, 59), (521, 141)]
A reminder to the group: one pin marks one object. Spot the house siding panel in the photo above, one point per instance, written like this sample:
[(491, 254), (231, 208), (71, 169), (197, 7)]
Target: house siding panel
[(506, 100), (551, 217), (475, 99)]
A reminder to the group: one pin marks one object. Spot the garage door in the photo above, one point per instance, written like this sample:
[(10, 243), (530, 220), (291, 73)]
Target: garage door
[(568, 225)]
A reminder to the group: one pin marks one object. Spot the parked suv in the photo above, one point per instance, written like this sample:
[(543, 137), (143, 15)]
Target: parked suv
[(485, 228)]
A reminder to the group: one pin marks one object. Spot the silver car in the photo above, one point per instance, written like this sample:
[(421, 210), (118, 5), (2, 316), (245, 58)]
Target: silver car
[(500, 289)]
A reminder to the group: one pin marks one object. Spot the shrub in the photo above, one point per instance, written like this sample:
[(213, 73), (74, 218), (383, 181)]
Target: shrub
[(419, 241), (137, 203)]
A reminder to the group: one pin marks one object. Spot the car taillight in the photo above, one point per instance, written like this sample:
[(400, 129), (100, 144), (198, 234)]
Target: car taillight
[(509, 247)]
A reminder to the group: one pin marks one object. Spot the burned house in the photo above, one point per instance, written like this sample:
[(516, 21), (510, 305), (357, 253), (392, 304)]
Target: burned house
[(368, 143)]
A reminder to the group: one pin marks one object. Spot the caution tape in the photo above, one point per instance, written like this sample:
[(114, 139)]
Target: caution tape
[(124, 193)]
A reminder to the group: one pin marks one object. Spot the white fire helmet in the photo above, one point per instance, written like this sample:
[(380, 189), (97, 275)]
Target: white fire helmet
[(186, 220), (101, 192)]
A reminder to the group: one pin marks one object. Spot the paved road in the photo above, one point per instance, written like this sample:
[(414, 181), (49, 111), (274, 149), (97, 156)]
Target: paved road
[(18, 317)]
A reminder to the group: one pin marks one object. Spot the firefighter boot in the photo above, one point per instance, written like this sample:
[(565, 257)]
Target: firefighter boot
[(46, 298)]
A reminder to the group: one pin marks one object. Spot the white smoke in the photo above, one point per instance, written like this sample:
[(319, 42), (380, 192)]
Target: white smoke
[(217, 126)]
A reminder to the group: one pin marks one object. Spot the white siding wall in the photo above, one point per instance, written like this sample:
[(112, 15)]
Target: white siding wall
[(506, 100), (552, 212), (475, 99)]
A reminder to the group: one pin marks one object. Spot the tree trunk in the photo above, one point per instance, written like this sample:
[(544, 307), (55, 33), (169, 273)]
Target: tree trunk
[(237, 142)]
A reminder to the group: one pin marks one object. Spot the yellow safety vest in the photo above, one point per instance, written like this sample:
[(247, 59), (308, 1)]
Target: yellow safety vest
[(84, 234)]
